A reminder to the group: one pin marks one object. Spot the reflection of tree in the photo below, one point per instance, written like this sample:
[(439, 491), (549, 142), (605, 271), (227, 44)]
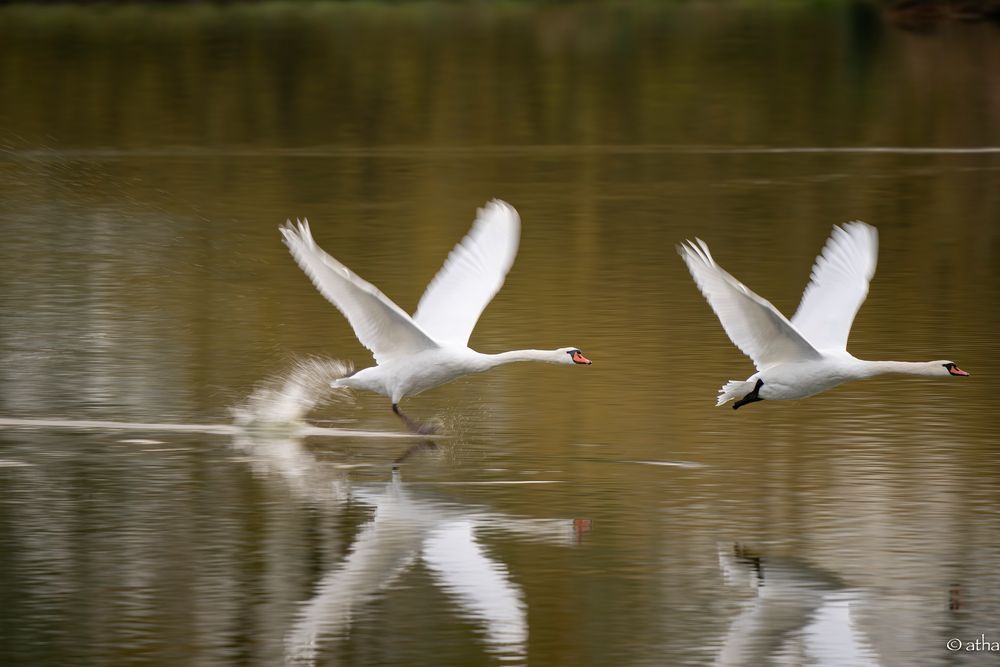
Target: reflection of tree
[(341, 75), (925, 14)]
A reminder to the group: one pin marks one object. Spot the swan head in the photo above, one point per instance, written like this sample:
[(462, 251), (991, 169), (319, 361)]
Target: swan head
[(571, 355), (950, 367)]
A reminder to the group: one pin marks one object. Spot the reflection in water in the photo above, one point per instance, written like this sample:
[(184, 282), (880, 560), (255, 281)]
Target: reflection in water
[(288, 458), (800, 613), (406, 529), (143, 282)]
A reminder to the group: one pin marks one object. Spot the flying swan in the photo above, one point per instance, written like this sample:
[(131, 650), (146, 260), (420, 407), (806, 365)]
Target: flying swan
[(808, 354), (414, 354)]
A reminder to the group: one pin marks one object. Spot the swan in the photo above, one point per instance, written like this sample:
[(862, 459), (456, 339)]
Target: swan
[(414, 354), (808, 354)]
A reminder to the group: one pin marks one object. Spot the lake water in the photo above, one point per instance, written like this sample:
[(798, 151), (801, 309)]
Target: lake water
[(602, 515)]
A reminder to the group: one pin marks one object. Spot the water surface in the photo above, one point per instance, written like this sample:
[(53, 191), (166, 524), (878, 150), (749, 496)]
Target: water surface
[(574, 516)]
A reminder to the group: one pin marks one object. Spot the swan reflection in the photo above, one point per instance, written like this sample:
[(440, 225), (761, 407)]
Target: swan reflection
[(800, 615), (408, 529)]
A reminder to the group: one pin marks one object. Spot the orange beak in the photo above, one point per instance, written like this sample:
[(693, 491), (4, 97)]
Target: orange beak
[(580, 359), (955, 370)]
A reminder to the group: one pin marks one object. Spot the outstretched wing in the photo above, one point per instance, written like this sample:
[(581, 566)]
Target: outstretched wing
[(752, 323), (472, 274), (839, 286), (380, 325)]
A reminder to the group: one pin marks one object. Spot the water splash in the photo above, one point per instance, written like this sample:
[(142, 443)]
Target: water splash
[(288, 397), (276, 408)]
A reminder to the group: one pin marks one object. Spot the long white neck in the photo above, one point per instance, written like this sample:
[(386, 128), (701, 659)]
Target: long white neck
[(872, 368), (492, 360)]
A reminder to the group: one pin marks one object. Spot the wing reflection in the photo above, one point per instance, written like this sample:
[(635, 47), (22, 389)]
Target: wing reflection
[(384, 548), (479, 584), (408, 528), (800, 613)]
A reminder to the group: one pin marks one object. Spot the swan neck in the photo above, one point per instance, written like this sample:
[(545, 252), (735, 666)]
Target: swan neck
[(519, 355), (872, 368)]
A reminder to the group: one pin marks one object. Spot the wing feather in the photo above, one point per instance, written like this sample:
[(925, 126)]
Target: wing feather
[(380, 325), (752, 323), (472, 274), (838, 286)]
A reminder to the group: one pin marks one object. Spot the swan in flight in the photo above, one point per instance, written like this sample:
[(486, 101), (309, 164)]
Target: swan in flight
[(414, 354), (808, 354)]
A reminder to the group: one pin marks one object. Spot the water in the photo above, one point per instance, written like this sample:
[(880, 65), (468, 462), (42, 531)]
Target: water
[(570, 516)]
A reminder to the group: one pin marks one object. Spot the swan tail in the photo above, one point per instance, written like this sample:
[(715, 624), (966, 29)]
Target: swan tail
[(349, 381), (733, 390)]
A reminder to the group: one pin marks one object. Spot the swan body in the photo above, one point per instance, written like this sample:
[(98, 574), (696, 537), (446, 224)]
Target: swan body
[(414, 354), (409, 376), (808, 354)]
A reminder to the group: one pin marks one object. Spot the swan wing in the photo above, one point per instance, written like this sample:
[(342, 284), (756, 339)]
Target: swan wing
[(380, 325), (752, 323), (838, 285), (472, 274)]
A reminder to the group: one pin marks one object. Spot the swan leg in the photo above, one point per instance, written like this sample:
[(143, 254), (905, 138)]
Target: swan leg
[(752, 397), (415, 426)]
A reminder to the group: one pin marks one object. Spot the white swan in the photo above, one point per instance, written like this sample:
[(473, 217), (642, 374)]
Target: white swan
[(808, 354), (431, 348)]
